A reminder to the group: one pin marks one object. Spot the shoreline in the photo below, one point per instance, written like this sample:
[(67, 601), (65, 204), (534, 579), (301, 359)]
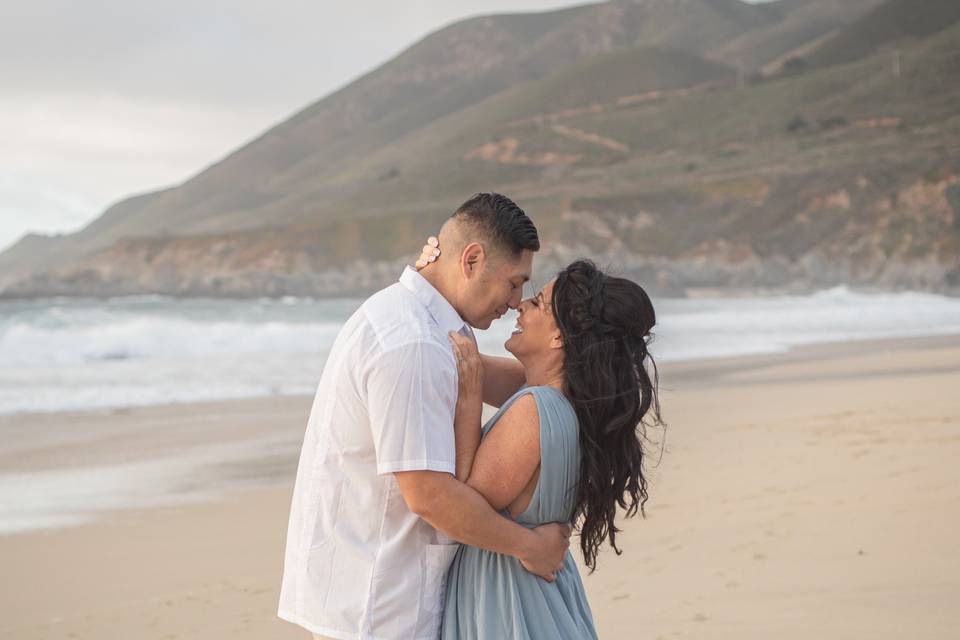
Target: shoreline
[(705, 368), (95, 463), (388, 269), (809, 491), (81, 358)]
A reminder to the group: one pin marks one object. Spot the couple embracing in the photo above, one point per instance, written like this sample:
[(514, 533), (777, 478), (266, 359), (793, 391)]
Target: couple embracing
[(396, 469)]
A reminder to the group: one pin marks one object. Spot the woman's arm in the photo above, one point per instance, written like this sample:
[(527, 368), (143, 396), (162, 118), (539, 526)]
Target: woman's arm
[(502, 378), (503, 464), (469, 410), (507, 459)]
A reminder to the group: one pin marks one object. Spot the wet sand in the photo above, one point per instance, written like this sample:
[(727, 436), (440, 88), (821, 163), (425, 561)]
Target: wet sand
[(809, 493)]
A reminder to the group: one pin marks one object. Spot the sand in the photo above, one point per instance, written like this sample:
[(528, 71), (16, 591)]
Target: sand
[(810, 494)]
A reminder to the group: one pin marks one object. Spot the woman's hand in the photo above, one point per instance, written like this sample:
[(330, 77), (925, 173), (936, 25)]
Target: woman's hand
[(469, 411), (470, 368), (429, 253)]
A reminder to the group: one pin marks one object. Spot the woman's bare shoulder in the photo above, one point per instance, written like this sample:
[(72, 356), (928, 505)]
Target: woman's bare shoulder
[(523, 408)]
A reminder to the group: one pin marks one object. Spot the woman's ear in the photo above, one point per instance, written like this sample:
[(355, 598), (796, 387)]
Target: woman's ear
[(556, 341)]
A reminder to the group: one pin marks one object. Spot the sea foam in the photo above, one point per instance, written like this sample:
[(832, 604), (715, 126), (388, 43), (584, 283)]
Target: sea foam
[(81, 354)]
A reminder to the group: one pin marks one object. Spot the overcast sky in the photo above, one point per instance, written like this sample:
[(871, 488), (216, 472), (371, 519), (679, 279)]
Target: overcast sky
[(105, 98)]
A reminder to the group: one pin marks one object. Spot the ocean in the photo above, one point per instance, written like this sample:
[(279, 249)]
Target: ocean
[(76, 354), (70, 354)]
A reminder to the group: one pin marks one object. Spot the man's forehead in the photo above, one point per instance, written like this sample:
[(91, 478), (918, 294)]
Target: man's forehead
[(513, 268), (519, 270)]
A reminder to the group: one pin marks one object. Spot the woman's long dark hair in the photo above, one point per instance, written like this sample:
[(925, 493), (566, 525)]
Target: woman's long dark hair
[(605, 323)]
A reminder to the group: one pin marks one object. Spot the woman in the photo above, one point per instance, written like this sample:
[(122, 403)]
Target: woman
[(565, 446)]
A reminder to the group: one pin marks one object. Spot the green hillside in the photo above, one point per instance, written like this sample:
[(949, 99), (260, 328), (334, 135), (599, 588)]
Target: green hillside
[(890, 23), (802, 23), (446, 72), (663, 160)]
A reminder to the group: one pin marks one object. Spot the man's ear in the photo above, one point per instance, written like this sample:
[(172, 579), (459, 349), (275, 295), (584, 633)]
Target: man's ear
[(472, 259)]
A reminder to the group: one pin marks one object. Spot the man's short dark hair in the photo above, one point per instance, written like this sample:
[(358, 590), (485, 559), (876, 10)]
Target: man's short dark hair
[(501, 222)]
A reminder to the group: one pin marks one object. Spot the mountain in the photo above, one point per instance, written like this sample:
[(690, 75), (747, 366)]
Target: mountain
[(444, 73), (890, 24), (802, 24), (628, 130)]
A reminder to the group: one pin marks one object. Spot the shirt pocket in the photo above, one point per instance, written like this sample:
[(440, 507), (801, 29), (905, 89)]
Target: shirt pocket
[(438, 559)]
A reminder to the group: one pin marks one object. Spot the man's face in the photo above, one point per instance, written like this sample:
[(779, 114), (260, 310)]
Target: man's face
[(497, 288)]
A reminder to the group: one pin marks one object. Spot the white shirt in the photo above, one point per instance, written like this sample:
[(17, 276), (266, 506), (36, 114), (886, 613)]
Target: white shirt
[(359, 563)]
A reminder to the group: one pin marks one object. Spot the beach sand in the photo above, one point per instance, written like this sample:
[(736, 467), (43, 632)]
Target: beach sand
[(809, 494)]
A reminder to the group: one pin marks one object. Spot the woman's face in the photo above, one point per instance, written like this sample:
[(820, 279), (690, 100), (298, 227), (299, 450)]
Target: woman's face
[(536, 331)]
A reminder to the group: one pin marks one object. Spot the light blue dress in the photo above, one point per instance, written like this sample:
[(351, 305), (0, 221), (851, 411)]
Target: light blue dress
[(490, 596)]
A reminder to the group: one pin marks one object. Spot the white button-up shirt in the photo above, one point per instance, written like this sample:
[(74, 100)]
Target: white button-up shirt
[(359, 563)]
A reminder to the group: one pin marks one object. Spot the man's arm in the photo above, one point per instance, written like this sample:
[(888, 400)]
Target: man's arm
[(410, 418), (502, 377), (464, 515)]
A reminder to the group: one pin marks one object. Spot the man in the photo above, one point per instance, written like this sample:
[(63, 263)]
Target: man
[(376, 501)]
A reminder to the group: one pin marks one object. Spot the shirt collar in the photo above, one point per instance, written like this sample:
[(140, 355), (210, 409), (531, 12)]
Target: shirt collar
[(440, 309)]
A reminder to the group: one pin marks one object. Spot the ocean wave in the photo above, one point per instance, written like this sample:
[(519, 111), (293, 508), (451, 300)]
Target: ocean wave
[(64, 354), (156, 338)]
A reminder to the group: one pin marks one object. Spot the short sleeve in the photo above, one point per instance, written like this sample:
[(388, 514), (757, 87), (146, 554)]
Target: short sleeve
[(411, 397)]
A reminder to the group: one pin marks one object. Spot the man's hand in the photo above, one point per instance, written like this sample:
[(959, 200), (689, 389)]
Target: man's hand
[(461, 513), (545, 557)]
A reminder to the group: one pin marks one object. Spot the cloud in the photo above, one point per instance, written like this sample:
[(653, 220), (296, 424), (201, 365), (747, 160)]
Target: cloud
[(269, 53), (103, 99), (63, 161), (36, 204)]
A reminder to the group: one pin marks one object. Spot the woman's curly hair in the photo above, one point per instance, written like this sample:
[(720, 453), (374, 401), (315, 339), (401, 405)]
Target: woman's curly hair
[(605, 323)]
